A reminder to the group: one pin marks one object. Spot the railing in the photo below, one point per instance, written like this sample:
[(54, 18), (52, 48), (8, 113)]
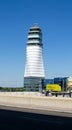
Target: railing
[(68, 94)]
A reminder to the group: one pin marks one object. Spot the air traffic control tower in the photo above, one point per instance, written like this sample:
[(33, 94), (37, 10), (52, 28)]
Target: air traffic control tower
[(34, 68)]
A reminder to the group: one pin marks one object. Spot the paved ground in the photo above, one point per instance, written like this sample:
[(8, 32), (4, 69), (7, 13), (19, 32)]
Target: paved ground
[(33, 101), (23, 119)]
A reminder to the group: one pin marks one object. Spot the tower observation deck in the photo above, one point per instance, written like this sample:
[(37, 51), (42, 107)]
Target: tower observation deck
[(34, 68)]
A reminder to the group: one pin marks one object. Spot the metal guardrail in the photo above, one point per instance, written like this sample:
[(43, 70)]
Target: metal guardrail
[(69, 94)]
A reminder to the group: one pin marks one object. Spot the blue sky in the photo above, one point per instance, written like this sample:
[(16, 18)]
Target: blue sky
[(55, 19)]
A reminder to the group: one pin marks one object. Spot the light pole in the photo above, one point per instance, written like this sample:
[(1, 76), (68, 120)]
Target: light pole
[(63, 85)]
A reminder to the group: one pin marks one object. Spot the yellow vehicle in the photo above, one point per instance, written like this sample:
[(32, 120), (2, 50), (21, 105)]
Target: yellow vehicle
[(53, 87)]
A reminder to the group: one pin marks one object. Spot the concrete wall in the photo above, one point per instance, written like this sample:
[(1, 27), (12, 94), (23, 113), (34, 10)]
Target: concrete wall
[(36, 101)]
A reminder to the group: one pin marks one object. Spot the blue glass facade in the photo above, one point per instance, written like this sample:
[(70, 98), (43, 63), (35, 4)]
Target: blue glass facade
[(62, 82), (59, 80), (47, 81), (33, 84)]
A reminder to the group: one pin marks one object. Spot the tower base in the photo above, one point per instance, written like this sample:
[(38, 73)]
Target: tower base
[(33, 84)]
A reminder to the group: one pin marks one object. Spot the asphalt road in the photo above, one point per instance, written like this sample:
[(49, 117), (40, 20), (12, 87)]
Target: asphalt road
[(24, 119)]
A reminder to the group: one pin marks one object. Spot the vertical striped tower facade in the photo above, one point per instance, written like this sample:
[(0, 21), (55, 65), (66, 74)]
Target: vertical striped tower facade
[(34, 68)]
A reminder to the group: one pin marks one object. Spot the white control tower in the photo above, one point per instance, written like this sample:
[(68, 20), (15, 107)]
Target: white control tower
[(34, 68)]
